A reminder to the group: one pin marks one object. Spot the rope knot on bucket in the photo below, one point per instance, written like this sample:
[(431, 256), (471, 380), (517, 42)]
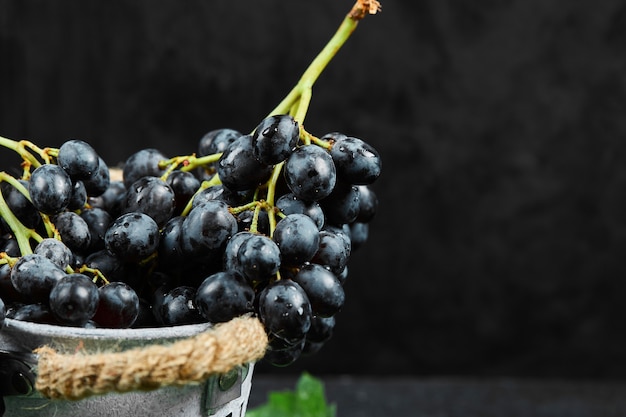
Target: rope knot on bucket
[(188, 361)]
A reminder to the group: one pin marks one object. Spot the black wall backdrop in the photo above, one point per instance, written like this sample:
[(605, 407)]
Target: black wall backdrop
[(498, 246)]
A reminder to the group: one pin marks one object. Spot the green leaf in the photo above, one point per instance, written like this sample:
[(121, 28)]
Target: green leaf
[(307, 400)]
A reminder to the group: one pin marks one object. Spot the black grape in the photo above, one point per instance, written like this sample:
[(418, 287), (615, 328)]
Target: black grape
[(178, 307), (368, 204), (323, 289), (56, 251), (357, 162), (298, 238), (342, 205), (359, 232), (151, 196), (98, 221), (112, 199), (170, 251), (290, 204), (216, 141), (34, 275), (34, 313), (78, 197), (184, 185), (78, 159), (230, 260), (118, 306), (132, 237), (142, 163), (238, 167), (321, 328), (100, 181), (310, 173), (207, 228), (275, 138), (334, 250), (50, 189), (258, 257), (74, 299), (224, 296), (2, 313), (285, 310), (74, 231)]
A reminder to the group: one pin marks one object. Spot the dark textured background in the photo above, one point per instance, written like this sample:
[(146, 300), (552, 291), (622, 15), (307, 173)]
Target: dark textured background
[(498, 248)]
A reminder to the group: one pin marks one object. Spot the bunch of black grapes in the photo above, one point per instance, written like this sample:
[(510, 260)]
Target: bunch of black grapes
[(260, 223)]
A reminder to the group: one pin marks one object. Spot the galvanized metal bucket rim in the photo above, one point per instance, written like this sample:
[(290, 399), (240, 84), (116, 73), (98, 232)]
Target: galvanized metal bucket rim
[(143, 333)]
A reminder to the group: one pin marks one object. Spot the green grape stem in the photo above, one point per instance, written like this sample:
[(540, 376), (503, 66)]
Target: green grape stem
[(22, 148), (298, 99), (22, 233)]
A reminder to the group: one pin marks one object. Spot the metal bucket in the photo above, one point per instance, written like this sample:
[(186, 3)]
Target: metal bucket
[(220, 396)]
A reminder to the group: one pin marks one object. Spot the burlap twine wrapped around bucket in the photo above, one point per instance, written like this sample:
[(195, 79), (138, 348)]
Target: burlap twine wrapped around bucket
[(189, 361)]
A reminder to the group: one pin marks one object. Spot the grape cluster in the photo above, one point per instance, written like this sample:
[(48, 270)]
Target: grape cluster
[(261, 223)]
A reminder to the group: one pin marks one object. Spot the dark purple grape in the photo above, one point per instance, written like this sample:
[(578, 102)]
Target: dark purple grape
[(78, 159), (118, 307), (184, 185), (368, 204), (259, 258), (230, 260), (238, 167), (334, 250), (100, 181), (285, 310), (357, 162), (310, 173), (20, 205), (298, 238), (34, 275), (107, 263), (56, 251), (290, 204), (98, 220), (207, 228), (50, 189), (112, 200), (33, 313), (281, 354), (10, 246), (219, 192), (170, 251), (216, 141), (321, 329), (178, 307), (2, 313), (74, 299), (224, 296), (343, 275), (275, 138), (342, 205), (143, 163), (74, 231), (311, 348), (78, 197), (7, 291), (322, 288), (359, 232), (132, 237), (151, 196)]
